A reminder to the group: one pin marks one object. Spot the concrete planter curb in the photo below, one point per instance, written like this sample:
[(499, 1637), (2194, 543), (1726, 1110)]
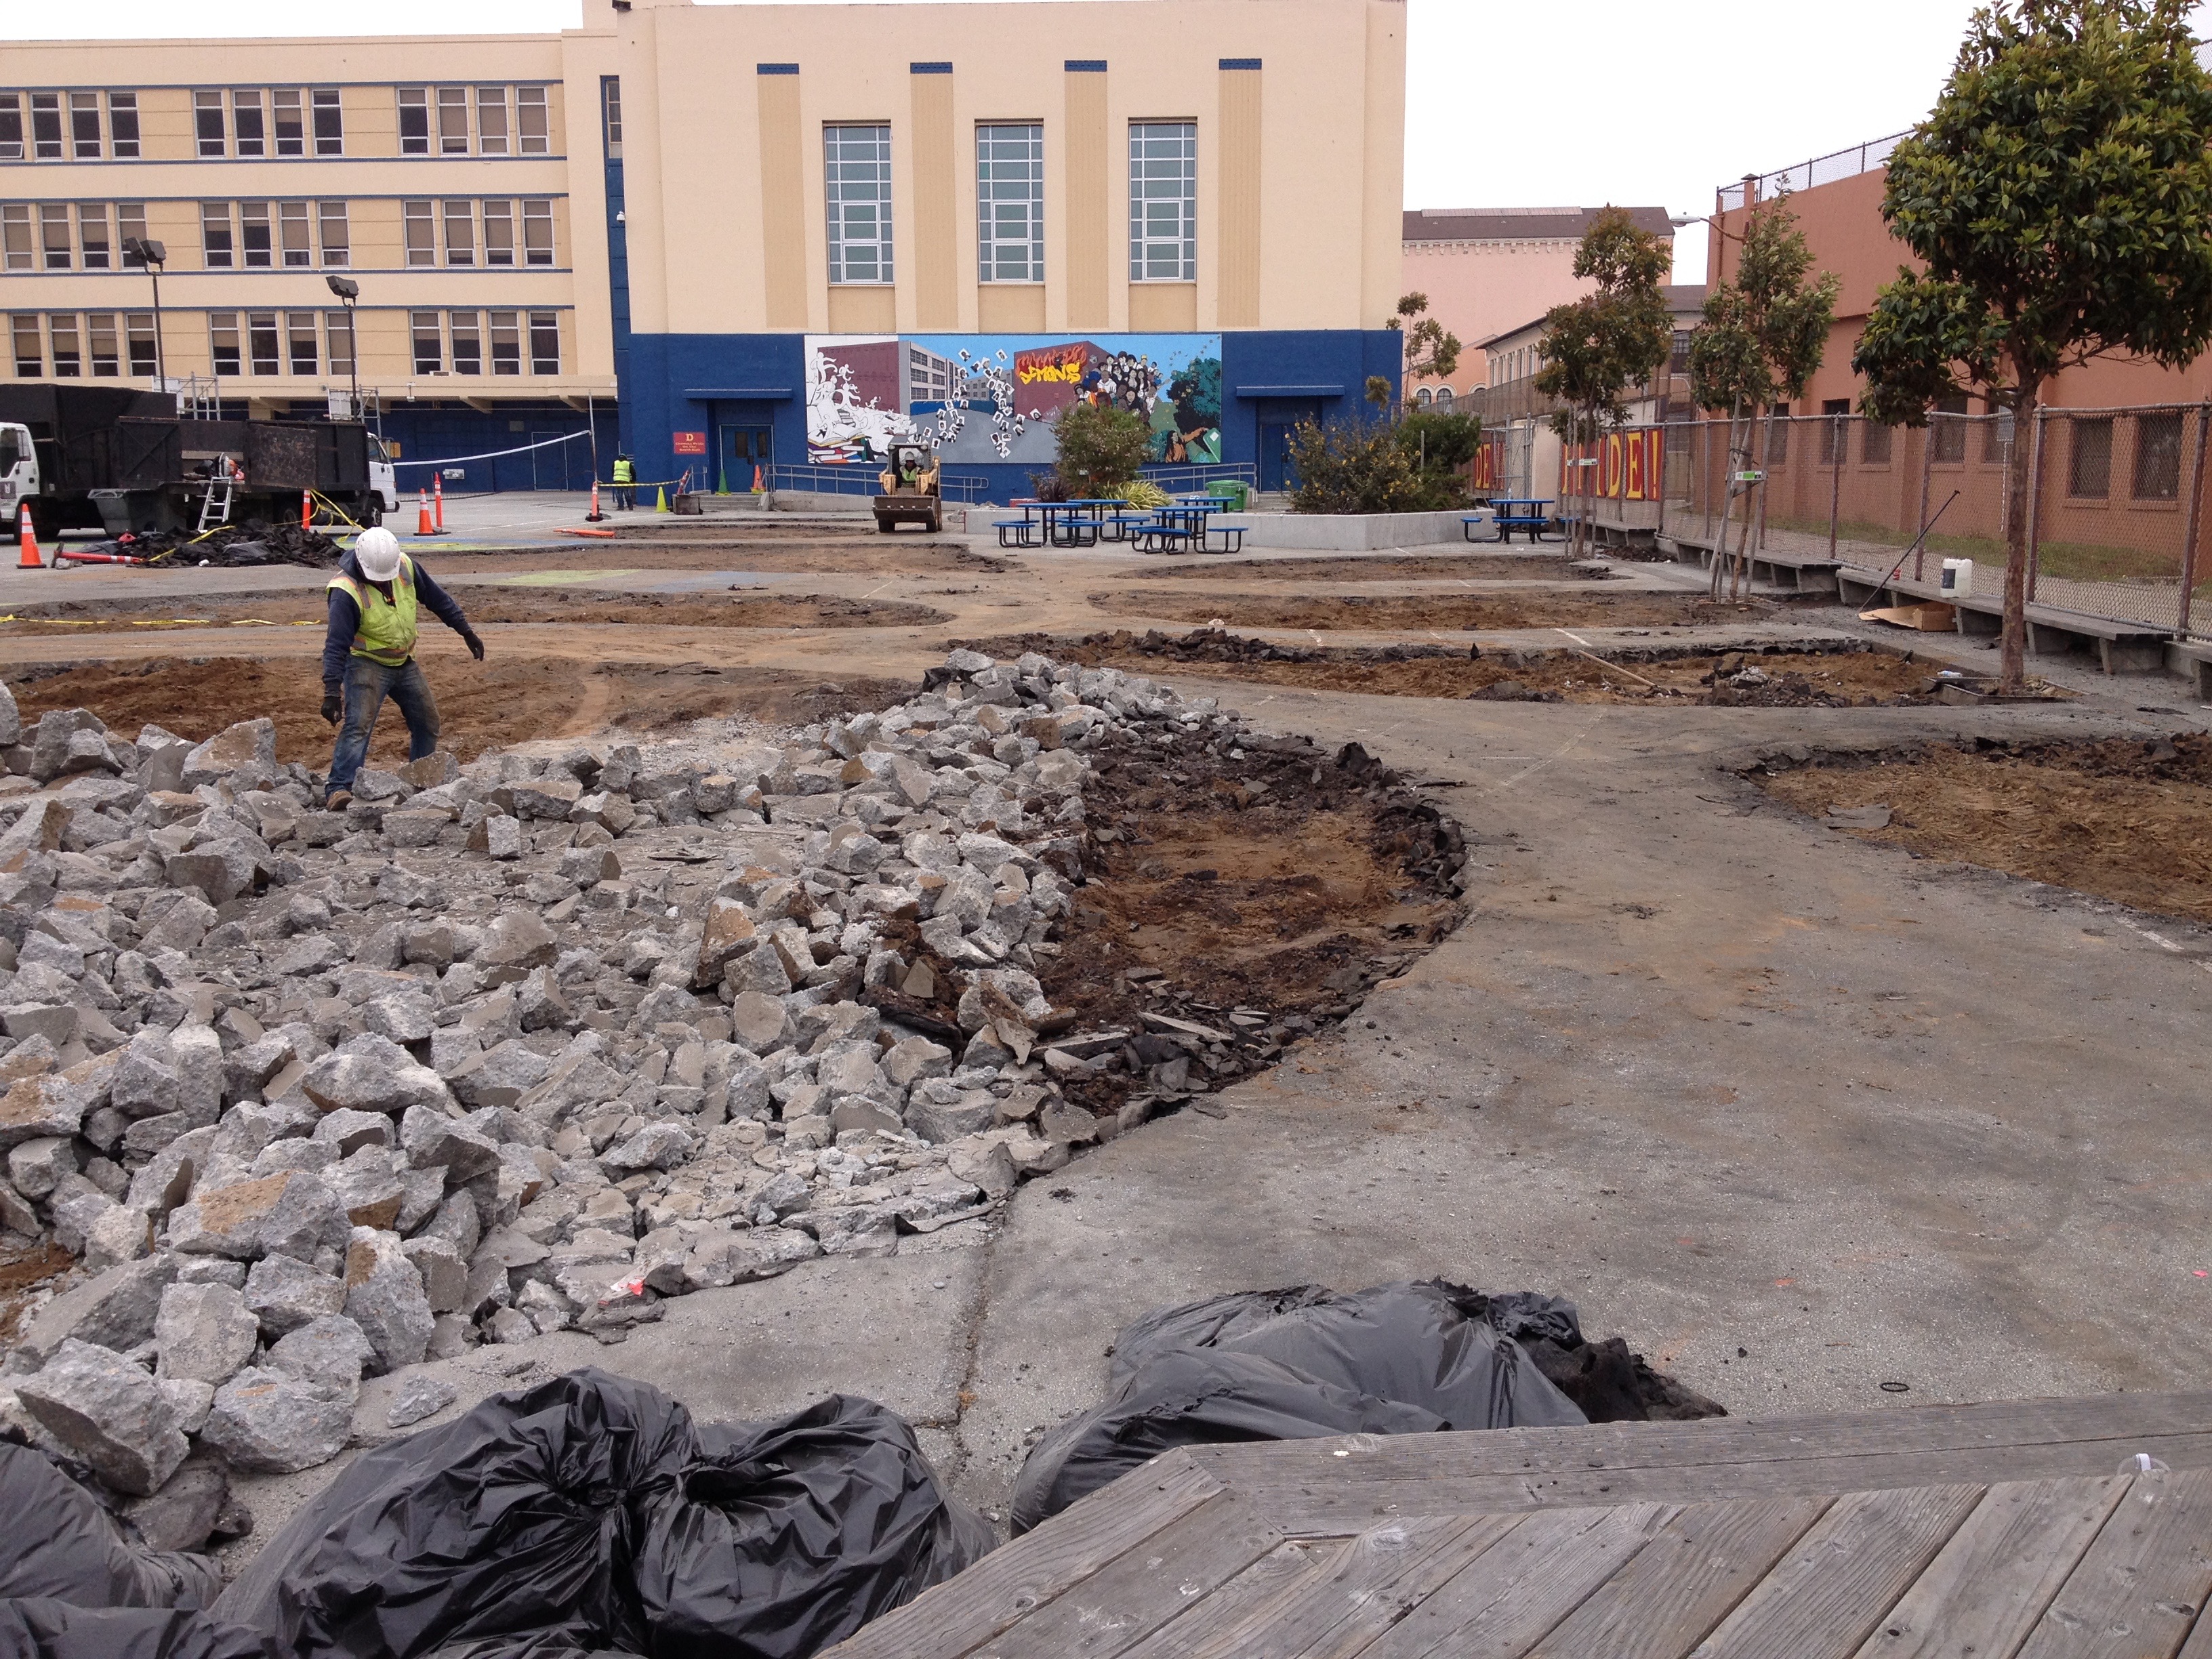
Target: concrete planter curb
[(1349, 532)]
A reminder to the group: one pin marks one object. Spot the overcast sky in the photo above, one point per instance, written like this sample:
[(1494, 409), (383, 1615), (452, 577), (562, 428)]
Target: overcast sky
[(1508, 103)]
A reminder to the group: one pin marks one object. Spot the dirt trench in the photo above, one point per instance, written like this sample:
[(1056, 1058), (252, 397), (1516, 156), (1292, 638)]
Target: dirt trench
[(1368, 567), (740, 608), (1552, 608)]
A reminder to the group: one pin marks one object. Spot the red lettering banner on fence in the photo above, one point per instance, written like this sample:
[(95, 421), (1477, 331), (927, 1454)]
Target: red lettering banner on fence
[(1628, 466)]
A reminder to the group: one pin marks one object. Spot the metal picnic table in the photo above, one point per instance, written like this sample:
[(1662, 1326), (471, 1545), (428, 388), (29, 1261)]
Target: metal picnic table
[(1533, 521)]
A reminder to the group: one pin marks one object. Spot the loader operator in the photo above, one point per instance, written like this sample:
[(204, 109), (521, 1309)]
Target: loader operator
[(369, 653)]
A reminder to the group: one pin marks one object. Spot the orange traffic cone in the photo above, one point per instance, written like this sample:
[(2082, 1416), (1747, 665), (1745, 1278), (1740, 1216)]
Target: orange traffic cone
[(422, 514), (438, 494), (30, 561), (757, 486), (594, 516)]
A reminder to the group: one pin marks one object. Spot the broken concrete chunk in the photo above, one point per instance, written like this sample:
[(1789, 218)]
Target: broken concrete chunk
[(384, 1297), (270, 1423), (204, 1332), (293, 1214), (108, 1411), (372, 1073), (430, 1137), (420, 1396), (284, 1295)]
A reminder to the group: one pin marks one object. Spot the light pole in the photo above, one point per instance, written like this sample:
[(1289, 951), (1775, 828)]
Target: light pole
[(349, 291), (140, 250)]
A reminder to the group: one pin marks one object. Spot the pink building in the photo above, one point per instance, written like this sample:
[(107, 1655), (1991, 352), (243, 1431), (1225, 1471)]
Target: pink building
[(1487, 270)]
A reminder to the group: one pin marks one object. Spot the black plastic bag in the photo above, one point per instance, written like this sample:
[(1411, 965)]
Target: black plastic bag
[(34, 1628), (59, 1544), (591, 1514), (1300, 1364)]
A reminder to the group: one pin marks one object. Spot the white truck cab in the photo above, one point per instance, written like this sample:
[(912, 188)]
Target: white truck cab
[(383, 476), (19, 471)]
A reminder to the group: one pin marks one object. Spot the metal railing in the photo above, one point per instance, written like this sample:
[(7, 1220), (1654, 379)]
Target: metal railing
[(2115, 502), (1179, 478), (1820, 170), (861, 479)]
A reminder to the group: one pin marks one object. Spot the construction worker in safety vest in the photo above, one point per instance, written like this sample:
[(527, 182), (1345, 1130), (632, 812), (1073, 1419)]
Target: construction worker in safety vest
[(369, 655), (625, 482)]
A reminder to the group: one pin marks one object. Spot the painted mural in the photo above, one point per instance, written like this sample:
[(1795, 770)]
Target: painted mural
[(993, 397)]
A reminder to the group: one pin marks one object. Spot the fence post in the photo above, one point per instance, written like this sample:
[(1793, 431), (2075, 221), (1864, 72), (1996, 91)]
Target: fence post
[(1927, 456), (1836, 434), (2034, 494), (2196, 520)]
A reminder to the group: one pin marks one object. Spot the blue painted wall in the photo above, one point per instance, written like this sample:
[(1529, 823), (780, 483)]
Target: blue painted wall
[(1325, 370), (433, 435)]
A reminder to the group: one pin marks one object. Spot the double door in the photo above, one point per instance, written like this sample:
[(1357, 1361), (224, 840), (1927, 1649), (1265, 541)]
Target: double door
[(741, 449)]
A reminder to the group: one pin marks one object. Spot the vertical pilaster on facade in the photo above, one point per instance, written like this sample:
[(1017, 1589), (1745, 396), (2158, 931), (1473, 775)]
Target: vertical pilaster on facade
[(1237, 144), (936, 185), (1086, 146), (1384, 164), (783, 214)]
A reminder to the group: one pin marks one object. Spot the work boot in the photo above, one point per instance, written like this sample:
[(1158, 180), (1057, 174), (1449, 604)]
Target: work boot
[(339, 801)]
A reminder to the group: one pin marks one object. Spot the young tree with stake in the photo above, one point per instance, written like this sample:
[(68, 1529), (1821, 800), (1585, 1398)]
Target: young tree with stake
[(1763, 336), (1600, 345), (1431, 349), (2059, 198)]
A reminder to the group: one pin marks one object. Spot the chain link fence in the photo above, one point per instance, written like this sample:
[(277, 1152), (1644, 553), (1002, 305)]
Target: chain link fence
[(2114, 506)]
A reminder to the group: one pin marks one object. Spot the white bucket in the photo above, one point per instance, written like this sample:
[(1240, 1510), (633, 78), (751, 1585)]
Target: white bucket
[(1957, 579)]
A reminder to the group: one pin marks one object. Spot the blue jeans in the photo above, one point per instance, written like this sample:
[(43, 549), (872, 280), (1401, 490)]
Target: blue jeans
[(367, 685)]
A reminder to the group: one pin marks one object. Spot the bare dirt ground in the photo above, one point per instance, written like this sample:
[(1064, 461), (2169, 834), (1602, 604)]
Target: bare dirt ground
[(1553, 608), (2125, 820), (1369, 568), (742, 608), (504, 699), (802, 555)]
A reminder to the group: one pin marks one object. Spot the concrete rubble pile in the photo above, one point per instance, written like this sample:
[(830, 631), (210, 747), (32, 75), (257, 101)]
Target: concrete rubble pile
[(508, 1048)]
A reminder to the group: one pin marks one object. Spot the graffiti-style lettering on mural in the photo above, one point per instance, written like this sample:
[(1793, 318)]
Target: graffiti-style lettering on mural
[(995, 398), (1629, 465)]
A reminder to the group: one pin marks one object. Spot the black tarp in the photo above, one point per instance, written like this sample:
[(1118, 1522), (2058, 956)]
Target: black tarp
[(590, 1513), (59, 1544), (1307, 1362)]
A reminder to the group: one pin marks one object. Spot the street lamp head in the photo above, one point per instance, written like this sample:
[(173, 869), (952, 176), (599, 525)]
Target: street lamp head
[(344, 286), (142, 251)]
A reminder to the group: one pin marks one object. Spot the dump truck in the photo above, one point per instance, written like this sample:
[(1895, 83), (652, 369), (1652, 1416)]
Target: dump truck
[(910, 487), (113, 460)]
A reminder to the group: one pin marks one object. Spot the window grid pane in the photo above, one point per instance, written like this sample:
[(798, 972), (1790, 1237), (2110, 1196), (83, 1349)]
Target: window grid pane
[(430, 342), (138, 327), (61, 329), (92, 234), (531, 121), (491, 120), (84, 125), (453, 120), (11, 128), (538, 232), (338, 330), (208, 123), (468, 343), (284, 118), (54, 235), (15, 251), (506, 343), (300, 342), (338, 235), (414, 121), (215, 249), (262, 343), (329, 123), (30, 349), (460, 233), (1163, 201), (858, 193), (544, 342), (422, 234), (123, 126), (499, 233), (130, 222), (246, 123), (253, 239), (101, 341), (292, 223), (222, 341), (1010, 203), (46, 127)]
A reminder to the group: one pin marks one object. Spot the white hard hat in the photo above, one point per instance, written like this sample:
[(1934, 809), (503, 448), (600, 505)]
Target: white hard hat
[(378, 553)]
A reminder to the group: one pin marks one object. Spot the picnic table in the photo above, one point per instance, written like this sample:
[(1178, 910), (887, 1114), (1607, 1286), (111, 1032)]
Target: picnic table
[(1533, 521), (1061, 524), (1184, 523)]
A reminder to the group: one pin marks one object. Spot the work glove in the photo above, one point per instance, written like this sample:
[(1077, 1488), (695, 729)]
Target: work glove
[(475, 645), (333, 706)]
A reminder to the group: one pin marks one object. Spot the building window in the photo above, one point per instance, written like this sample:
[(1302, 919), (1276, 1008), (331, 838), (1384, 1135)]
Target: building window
[(54, 235), (300, 354), (15, 251), (460, 233), (422, 233), (544, 342), (610, 106), (84, 125), (2158, 456), (130, 222), (1010, 203), (11, 127), (123, 126), (2089, 468), (1835, 430), (538, 232), (338, 330), (247, 136), (207, 125), (61, 329), (468, 343), (295, 235), (338, 235), (1162, 202), (263, 345), (216, 251), (429, 346), (1444, 398), (858, 192), (533, 124), (1424, 397), (253, 239), (453, 120), (222, 342), (46, 128), (414, 121), (102, 345), (330, 122), (30, 350), (1874, 444), (498, 233), (506, 343), (91, 234), (491, 120), (290, 133), (138, 331)]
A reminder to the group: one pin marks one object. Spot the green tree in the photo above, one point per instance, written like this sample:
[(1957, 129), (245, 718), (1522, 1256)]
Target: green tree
[(1101, 447), (1431, 349), (1611, 339), (1763, 336), (2059, 199)]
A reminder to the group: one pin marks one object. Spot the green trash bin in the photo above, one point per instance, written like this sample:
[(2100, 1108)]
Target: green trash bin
[(1235, 492)]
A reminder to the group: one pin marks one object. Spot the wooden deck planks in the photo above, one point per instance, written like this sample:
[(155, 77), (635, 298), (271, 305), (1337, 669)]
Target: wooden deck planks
[(1518, 1590), (1380, 1577), (1247, 1602), (2142, 1583), (1684, 1582), (1822, 1600), (1126, 1601), (1986, 1588), (957, 1616)]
